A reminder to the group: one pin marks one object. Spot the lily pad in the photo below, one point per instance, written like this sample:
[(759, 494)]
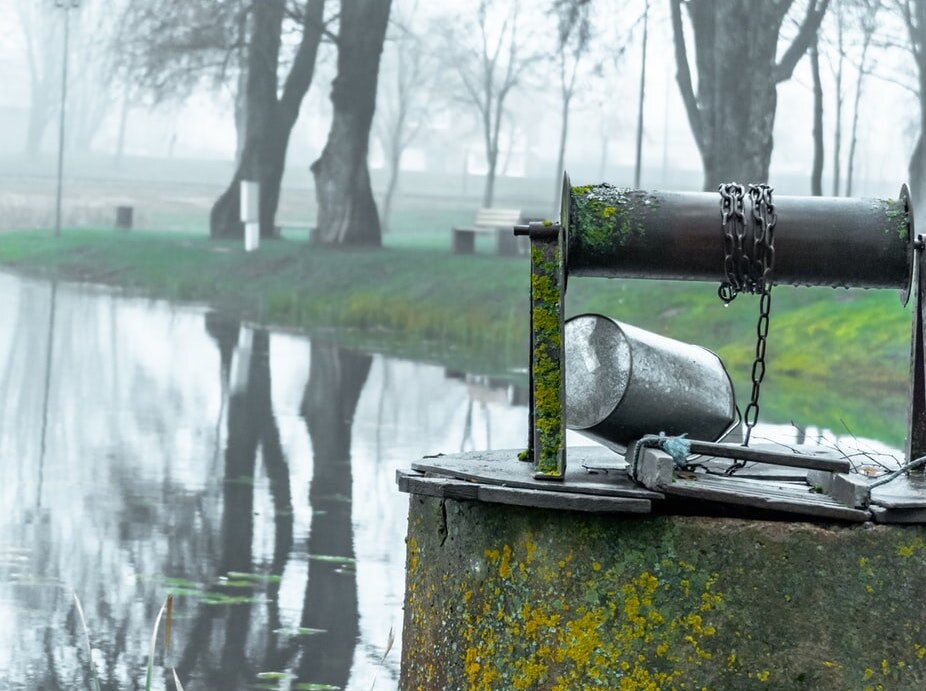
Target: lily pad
[(301, 631), (333, 559)]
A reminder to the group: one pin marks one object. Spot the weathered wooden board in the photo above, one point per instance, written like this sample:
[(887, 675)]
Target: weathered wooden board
[(882, 515), (502, 468), (785, 497), (450, 488), (904, 492), (655, 469)]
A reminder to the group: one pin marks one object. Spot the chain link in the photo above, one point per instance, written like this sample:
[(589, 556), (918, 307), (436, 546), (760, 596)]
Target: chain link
[(733, 227), (750, 274)]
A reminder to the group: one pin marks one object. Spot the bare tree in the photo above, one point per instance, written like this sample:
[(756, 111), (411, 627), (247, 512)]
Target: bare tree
[(43, 58), (733, 114), (867, 20), (404, 100), (490, 59), (169, 49), (573, 37), (90, 88)]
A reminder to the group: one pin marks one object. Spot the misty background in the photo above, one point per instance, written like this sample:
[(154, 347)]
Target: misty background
[(168, 142)]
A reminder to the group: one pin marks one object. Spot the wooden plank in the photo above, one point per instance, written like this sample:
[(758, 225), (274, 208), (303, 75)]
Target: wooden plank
[(501, 468), (904, 492), (448, 488), (562, 501), (777, 497), (414, 483), (883, 515)]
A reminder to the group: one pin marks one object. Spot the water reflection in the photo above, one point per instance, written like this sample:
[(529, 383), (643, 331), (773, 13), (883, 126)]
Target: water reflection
[(146, 449)]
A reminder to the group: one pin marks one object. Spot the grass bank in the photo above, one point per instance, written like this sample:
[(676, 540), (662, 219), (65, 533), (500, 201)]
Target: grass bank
[(833, 355)]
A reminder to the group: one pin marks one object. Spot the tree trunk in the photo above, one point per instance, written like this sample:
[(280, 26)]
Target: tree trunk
[(123, 123), (917, 167), (733, 115), (241, 112), (395, 160), (816, 175), (561, 156), (260, 103), (488, 194), (639, 157), (39, 116), (346, 208), (853, 137), (268, 121), (837, 132)]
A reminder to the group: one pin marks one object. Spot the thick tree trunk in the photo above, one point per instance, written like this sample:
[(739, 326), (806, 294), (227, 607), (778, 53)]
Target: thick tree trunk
[(268, 121), (260, 103), (733, 114), (917, 167), (241, 112), (916, 26), (816, 174), (737, 88), (346, 208)]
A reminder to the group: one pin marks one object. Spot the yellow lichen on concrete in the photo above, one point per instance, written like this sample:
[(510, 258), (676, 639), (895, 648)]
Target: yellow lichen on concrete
[(512, 598)]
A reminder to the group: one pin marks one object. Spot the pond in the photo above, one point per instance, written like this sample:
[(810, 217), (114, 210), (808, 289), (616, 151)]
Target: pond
[(148, 448)]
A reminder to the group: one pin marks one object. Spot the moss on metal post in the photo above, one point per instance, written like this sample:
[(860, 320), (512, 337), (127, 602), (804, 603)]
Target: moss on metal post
[(549, 432), (507, 597)]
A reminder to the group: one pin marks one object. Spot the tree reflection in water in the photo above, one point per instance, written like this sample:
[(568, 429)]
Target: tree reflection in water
[(336, 379)]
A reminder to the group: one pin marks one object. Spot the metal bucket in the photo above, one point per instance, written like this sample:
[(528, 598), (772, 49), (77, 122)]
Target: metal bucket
[(623, 382)]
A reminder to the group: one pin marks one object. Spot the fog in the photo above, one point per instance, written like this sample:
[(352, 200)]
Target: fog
[(117, 130)]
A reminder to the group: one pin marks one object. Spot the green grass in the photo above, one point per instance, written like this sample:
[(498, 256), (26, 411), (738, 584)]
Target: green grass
[(833, 355)]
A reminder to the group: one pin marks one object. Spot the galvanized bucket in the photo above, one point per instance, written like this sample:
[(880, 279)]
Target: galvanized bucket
[(623, 383)]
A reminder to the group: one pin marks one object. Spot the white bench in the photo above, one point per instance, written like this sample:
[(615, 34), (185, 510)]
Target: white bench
[(497, 222)]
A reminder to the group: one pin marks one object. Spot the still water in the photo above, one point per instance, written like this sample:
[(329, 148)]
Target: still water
[(148, 448)]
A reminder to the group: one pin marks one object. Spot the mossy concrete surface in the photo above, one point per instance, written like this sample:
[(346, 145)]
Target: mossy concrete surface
[(509, 598)]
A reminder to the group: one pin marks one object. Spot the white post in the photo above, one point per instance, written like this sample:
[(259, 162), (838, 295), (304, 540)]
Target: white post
[(250, 214)]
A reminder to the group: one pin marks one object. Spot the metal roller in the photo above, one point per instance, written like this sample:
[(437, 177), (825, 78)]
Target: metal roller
[(820, 241), (623, 383)]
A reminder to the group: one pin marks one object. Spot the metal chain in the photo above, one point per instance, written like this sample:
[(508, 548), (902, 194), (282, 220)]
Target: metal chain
[(733, 227), (750, 274)]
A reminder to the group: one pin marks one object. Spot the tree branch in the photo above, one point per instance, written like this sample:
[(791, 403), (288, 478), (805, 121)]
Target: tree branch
[(302, 71), (805, 37)]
